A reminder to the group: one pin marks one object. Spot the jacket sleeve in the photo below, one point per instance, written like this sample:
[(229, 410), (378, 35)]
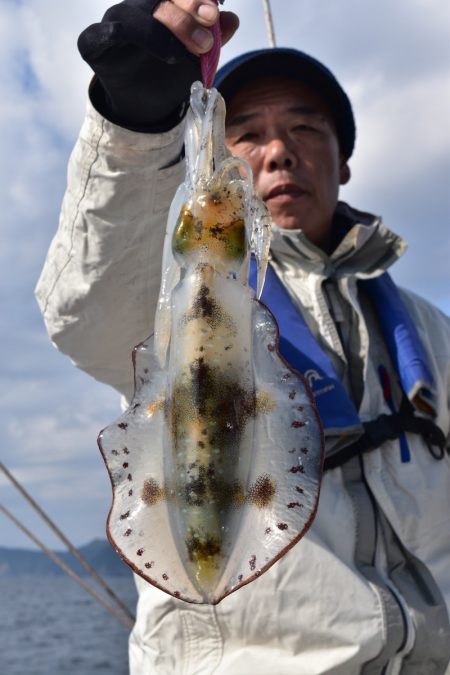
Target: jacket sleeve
[(100, 282)]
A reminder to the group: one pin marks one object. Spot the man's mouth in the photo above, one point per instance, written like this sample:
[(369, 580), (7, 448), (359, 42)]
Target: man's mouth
[(284, 192)]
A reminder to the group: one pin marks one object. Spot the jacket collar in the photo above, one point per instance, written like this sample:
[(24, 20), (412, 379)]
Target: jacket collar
[(365, 248)]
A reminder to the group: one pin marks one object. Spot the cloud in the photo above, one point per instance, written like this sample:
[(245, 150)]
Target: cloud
[(49, 424), (404, 39)]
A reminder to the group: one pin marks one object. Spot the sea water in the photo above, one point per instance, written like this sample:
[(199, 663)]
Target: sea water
[(52, 626)]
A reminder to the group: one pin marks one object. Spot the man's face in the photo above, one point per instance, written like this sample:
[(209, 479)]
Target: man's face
[(285, 132)]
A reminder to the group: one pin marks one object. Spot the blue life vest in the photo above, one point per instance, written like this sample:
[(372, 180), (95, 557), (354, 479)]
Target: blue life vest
[(301, 349)]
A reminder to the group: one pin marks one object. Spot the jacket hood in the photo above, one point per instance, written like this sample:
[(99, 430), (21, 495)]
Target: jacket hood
[(366, 247)]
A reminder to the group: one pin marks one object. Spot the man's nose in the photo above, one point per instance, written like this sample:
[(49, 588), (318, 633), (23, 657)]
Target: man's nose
[(279, 155)]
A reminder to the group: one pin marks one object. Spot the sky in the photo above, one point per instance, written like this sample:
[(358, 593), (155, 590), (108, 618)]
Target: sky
[(392, 58)]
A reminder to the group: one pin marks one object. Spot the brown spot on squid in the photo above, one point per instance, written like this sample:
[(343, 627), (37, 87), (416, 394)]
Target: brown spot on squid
[(262, 491), (152, 493)]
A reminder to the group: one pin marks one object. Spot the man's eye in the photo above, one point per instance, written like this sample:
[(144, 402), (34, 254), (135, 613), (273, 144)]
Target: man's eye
[(305, 127)]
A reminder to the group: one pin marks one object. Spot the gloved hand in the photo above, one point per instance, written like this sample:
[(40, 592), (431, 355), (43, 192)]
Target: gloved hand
[(145, 64)]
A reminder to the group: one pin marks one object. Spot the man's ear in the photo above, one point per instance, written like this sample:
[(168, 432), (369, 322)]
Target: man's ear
[(344, 173)]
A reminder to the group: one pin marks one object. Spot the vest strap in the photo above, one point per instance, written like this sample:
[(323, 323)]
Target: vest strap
[(389, 427)]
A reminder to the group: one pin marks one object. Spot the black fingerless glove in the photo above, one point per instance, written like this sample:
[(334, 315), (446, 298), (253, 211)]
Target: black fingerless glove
[(144, 74)]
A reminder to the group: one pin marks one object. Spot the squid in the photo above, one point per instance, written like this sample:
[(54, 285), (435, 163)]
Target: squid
[(216, 464)]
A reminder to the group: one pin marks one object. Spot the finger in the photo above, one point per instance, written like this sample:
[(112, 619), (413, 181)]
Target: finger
[(188, 27), (205, 12), (229, 23)]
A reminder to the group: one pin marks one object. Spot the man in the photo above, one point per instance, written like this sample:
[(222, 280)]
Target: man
[(364, 591)]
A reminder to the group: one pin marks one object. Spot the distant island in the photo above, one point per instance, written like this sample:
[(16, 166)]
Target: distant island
[(99, 553)]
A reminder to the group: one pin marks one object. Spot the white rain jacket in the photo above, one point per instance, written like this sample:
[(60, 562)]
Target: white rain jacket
[(363, 592)]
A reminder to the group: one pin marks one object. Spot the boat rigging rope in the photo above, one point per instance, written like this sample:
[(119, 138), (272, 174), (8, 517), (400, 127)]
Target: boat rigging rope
[(89, 569), (269, 23), (60, 562)]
